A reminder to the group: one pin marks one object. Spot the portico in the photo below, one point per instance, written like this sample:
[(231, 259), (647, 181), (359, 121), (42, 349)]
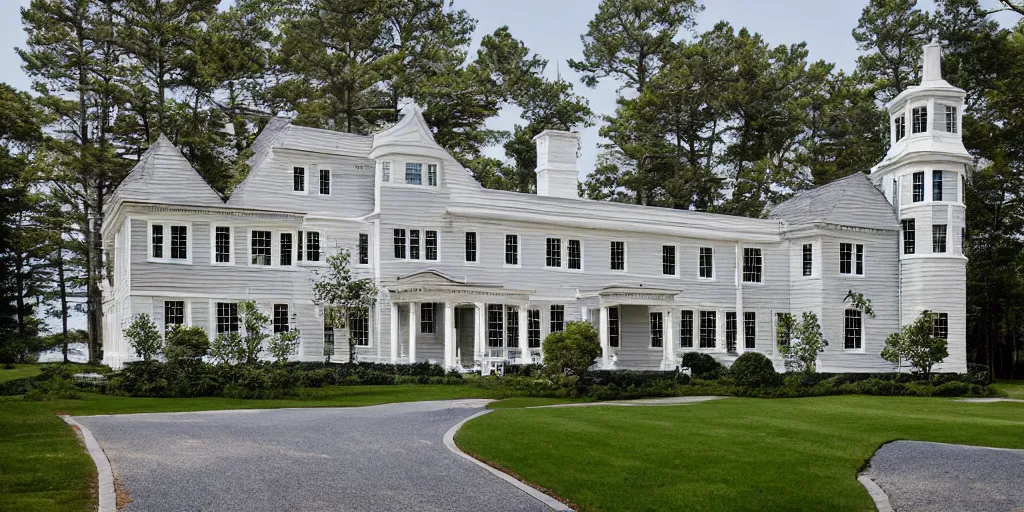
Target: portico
[(445, 320), (615, 326)]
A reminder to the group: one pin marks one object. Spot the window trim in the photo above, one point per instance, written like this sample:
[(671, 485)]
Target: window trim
[(213, 245), (563, 260), (807, 249), (914, 118), (359, 250), (692, 329), (186, 313), (675, 260), (504, 250), (273, 317), (713, 342), (861, 330), (437, 245), (913, 187), (936, 317), (566, 258), (614, 338), (320, 182), (908, 237), (305, 180), (551, 309), (760, 268), (937, 182), (322, 261), (428, 326), (271, 246), (899, 123), (476, 248), (166, 244), (625, 256), (945, 239), (951, 118), (714, 271), (660, 316), (369, 328), (390, 164), (749, 342), (213, 316)]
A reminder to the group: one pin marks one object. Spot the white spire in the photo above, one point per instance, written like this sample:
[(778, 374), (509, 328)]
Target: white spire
[(931, 67)]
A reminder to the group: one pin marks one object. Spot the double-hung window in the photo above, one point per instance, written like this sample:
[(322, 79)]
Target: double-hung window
[(432, 175), (940, 325), (281, 318), (908, 236), (575, 249), (222, 244), (918, 189), (298, 179), (312, 246), (364, 248), (359, 328), (470, 247), (533, 328), (686, 328), (179, 242), (157, 240), (385, 172), (730, 332), (852, 336), (553, 256), (512, 326), (845, 258), (325, 182), (708, 329), (859, 261), (613, 327), (174, 312), (951, 118), (495, 325), (706, 263), (919, 119), (261, 250), (749, 329), (414, 174), (808, 259), (657, 329), (899, 126), (512, 249), (617, 256), (300, 239), (557, 318), (414, 244), (399, 244), (286, 249), (430, 245), (938, 238), (752, 264), (428, 317), (668, 260), (936, 185), (227, 317)]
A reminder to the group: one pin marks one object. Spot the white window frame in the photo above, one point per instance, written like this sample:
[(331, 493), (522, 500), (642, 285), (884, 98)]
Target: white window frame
[(714, 271), (863, 333), (305, 261), (476, 249), (272, 252), (186, 312), (388, 176), (563, 260), (675, 260), (565, 252), (213, 245), (743, 259), (305, 179), (369, 250), (166, 258), (625, 256), (330, 181), (369, 330), (814, 267), (854, 249), (650, 329), (504, 250), (437, 245), (273, 315)]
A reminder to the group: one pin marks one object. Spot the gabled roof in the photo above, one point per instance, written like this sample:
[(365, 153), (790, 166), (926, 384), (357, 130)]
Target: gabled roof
[(850, 201), (410, 133), (163, 175)]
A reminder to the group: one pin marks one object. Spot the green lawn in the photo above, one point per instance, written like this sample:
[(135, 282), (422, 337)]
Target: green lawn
[(1012, 388), (44, 468), (734, 454), (20, 371)]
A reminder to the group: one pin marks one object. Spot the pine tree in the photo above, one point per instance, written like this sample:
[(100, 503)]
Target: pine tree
[(890, 33)]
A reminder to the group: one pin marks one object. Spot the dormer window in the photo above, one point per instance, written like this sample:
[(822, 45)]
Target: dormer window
[(899, 125), (414, 174), (951, 118), (919, 118)]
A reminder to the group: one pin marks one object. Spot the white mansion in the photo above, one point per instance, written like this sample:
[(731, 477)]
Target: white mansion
[(470, 276)]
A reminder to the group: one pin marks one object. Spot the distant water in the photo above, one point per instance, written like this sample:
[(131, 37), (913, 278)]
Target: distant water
[(77, 353)]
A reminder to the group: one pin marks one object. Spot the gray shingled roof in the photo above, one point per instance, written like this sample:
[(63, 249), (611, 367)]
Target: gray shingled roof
[(850, 201), (163, 175)]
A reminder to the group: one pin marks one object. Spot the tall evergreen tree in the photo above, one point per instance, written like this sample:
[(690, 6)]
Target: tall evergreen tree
[(890, 33)]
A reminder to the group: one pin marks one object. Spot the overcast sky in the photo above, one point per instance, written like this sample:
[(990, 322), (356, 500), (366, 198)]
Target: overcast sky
[(552, 29)]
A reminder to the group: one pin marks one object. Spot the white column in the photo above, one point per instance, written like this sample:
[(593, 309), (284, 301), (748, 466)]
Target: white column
[(740, 341), (449, 335), (668, 343), (524, 343), (478, 328), (413, 306), (603, 335), (394, 333)]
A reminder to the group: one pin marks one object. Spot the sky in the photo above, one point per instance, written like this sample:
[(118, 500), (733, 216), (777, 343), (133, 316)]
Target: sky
[(552, 28)]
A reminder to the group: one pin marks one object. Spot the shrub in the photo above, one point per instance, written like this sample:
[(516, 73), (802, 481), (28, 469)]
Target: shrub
[(144, 336), (703, 366), (754, 370), (915, 344), (282, 345), (186, 343), (572, 351), (979, 374), (227, 348)]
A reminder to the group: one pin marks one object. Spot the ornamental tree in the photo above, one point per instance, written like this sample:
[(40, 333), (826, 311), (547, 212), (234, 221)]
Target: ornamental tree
[(186, 343), (916, 344), (144, 336), (342, 296), (254, 335), (803, 341), (572, 351)]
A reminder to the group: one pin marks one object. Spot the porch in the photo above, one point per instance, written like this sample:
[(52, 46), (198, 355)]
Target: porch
[(636, 327)]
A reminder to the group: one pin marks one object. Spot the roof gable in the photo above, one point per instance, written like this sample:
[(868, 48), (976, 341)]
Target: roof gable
[(163, 175), (411, 132), (850, 201)]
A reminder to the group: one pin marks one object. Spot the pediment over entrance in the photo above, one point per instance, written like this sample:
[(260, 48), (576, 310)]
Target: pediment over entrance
[(615, 295), (435, 286)]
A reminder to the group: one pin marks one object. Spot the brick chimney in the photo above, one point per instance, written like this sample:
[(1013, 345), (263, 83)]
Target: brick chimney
[(556, 164)]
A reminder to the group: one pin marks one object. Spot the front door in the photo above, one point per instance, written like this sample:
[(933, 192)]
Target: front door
[(465, 327)]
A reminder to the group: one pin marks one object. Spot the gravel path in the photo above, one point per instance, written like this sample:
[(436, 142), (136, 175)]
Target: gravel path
[(932, 477), (381, 458)]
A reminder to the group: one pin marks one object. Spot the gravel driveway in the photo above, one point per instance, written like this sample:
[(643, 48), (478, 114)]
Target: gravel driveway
[(386, 457), (931, 477)]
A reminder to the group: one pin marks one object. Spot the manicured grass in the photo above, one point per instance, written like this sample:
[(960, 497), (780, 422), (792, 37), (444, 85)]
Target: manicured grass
[(1012, 388), (530, 401), (44, 468), (733, 454), (20, 371)]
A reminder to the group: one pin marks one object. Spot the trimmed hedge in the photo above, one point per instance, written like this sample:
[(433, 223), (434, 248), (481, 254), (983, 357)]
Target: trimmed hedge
[(754, 370), (704, 366)]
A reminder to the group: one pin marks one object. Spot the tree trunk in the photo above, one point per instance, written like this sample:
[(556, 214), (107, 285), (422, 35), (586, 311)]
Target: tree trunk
[(62, 285)]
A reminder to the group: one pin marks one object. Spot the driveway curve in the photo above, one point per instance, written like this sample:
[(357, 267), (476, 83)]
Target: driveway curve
[(380, 458)]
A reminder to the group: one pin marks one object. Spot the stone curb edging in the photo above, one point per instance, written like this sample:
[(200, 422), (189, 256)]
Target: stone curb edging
[(104, 475), (449, 442), (877, 494)]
